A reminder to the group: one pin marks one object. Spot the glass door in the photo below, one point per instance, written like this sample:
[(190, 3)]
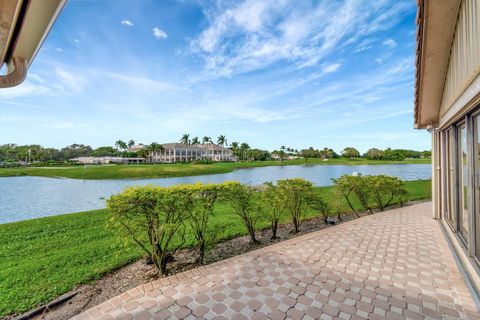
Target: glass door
[(476, 169), (448, 183), (463, 181)]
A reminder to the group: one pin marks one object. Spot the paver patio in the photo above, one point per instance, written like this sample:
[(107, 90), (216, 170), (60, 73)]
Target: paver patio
[(395, 265)]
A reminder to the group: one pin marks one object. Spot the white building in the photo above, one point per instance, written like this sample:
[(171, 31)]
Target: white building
[(108, 160), (179, 152)]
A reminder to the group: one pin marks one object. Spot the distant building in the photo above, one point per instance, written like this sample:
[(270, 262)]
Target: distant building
[(108, 160), (136, 147), (179, 152)]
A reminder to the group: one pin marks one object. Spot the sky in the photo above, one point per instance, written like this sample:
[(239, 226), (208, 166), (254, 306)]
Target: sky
[(271, 73)]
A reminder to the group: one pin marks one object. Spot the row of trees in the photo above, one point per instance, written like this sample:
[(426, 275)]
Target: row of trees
[(159, 218), (243, 151)]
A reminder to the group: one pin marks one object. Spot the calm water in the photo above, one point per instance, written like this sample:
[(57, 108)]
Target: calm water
[(24, 198)]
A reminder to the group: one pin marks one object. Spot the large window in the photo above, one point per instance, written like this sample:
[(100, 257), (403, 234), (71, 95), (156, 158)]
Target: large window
[(476, 173), (463, 175), (460, 145), (449, 177)]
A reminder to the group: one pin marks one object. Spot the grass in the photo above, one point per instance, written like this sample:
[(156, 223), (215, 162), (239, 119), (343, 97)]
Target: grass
[(43, 258), (177, 169)]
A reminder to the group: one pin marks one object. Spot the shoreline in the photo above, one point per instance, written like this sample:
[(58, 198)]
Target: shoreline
[(177, 170)]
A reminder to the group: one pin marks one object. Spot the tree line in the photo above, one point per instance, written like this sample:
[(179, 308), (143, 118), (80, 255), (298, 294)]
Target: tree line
[(243, 151), (159, 218)]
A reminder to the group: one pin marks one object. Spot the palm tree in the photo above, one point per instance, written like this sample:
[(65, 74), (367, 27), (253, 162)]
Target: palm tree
[(121, 145), (131, 143), (186, 141), (195, 141), (155, 147), (234, 146), (244, 147), (206, 140), (222, 140)]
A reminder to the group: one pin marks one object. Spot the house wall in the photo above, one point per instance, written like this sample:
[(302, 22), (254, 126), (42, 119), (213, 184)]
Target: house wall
[(455, 144), (464, 62)]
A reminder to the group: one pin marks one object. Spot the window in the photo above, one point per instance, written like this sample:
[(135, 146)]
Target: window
[(449, 178), (463, 180)]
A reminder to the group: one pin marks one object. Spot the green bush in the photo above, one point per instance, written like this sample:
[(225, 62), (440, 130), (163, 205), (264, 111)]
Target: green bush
[(154, 218), (345, 185), (385, 189), (274, 204), (371, 191), (241, 198), (201, 206), (317, 202), (295, 192), (157, 218)]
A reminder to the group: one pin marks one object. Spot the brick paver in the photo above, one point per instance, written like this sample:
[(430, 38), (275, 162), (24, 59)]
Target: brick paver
[(393, 265)]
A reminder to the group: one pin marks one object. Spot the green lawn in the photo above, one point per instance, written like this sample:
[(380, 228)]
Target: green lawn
[(177, 169), (41, 259)]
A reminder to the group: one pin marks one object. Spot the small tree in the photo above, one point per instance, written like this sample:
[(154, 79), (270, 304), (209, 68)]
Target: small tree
[(274, 202), (203, 198), (154, 218), (363, 191), (345, 185), (350, 152), (385, 189), (241, 198), (295, 192), (316, 202)]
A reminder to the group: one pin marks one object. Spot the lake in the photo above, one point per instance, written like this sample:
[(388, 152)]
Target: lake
[(26, 197)]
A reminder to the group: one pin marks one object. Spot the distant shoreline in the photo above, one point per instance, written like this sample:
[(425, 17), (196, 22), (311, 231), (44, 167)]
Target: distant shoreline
[(97, 172)]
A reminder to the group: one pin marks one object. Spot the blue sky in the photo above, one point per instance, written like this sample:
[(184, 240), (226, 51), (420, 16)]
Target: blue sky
[(272, 73)]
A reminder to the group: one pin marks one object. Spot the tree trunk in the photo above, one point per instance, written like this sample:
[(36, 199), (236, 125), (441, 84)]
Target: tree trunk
[(251, 232), (201, 252), (274, 228)]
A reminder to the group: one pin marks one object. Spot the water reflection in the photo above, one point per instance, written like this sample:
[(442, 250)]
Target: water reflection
[(24, 198)]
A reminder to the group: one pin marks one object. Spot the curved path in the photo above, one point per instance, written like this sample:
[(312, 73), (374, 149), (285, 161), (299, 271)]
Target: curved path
[(394, 265)]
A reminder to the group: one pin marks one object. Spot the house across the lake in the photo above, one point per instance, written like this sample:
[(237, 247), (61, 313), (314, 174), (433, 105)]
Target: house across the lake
[(447, 103), (179, 152), (109, 160)]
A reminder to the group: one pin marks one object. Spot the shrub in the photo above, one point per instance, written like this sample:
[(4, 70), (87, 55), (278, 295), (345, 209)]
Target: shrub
[(295, 193), (316, 202), (154, 218), (241, 198), (202, 202), (345, 185), (385, 189), (274, 202), (363, 191), (381, 189)]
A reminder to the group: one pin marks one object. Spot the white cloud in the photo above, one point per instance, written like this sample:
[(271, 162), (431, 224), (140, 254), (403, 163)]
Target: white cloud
[(76, 40), (74, 82), (331, 67), (390, 43), (26, 89), (249, 35), (68, 125), (137, 82), (59, 49), (127, 23), (159, 33)]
